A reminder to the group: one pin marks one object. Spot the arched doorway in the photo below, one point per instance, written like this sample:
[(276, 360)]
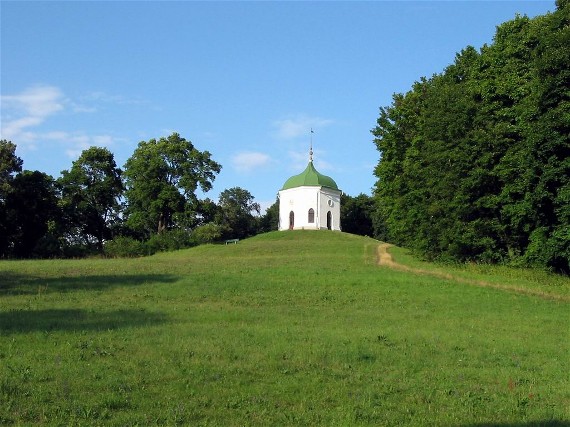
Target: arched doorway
[(291, 220), (329, 220)]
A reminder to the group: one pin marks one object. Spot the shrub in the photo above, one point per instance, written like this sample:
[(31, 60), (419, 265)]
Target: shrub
[(207, 233), (551, 250), (124, 247), (169, 241)]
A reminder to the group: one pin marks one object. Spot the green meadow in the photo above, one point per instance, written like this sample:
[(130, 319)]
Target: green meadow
[(286, 328)]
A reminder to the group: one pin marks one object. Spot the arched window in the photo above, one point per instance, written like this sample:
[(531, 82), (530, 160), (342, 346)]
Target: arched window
[(311, 216), (329, 220), (291, 220)]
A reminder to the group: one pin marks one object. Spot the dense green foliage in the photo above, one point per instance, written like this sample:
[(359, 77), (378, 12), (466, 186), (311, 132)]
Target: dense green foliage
[(270, 220), (95, 207), (235, 214), (475, 161), (9, 165), (162, 177), (253, 334), (32, 214), (90, 195), (356, 214)]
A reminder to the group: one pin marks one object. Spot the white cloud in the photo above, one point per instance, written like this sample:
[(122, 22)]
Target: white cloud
[(103, 140), (249, 160), (99, 96), (75, 151), (24, 117), (37, 101), (299, 161), (299, 125), (107, 98), (77, 142), (79, 108), (94, 101), (11, 129), (29, 109), (323, 165)]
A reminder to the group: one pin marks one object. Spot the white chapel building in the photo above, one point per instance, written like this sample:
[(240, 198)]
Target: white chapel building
[(309, 201)]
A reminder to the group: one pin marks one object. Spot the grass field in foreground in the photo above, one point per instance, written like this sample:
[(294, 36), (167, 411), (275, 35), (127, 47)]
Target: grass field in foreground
[(287, 328)]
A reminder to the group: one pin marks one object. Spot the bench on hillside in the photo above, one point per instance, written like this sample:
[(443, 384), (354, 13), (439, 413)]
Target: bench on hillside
[(234, 241)]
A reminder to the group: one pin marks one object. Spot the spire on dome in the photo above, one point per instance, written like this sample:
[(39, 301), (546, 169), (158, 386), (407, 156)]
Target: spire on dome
[(311, 149)]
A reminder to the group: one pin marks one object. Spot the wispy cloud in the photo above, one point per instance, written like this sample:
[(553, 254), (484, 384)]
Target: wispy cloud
[(29, 109), (25, 117), (298, 125), (76, 142), (249, 160), (300, 159), (94, 101), (107, 98)]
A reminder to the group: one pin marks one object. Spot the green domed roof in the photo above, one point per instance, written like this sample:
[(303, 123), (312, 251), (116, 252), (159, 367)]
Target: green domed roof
[(310, 177)]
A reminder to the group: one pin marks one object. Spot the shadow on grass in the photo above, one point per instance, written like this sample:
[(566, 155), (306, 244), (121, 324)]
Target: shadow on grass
[(22, 321), (545, 423), (19, 284)]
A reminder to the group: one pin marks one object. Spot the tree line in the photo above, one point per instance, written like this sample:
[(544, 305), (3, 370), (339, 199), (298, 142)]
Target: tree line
[(96, 207), (475, 161)]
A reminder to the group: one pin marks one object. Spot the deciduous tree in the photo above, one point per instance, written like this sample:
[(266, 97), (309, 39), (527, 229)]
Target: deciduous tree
[(91, 191), (9, 165), (32, 212), (356, 214), (270, 220), (162, 177), (236, 209), (475, 161)]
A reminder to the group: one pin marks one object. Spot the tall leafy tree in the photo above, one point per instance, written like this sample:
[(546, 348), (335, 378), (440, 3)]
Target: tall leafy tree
[(203, 212), (270, 220), (396, 138), (10, 164), (356, 214), (475, 161), (549, 142), (162, 177), (91, 191), (236, 213), (32, 212)]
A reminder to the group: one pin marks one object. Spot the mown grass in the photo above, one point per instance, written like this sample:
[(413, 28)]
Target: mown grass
[(287, 328), (539, 282)]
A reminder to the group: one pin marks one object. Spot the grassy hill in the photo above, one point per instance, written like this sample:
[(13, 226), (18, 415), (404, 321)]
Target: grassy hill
[(287, 328)]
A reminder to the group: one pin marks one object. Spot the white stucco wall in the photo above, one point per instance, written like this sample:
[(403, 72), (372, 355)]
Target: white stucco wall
[(301, 199)]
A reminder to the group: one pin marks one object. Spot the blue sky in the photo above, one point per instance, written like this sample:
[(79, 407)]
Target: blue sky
[(243, 80)]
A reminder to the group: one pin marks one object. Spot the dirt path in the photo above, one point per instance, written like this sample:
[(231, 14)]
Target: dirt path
[(384, 258)]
